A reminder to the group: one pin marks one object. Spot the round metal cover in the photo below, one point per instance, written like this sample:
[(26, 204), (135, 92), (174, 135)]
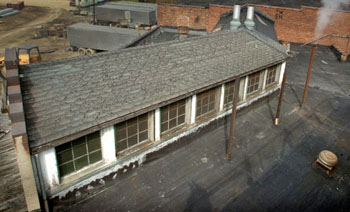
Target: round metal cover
[(328, 158)]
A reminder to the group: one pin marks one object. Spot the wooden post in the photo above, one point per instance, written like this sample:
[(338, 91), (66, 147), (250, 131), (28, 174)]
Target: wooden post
[(94, 12), (280, 99), (308, 75), (233, 119)]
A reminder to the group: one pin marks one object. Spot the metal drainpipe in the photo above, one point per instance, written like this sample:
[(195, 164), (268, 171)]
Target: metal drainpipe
[(41, 182)]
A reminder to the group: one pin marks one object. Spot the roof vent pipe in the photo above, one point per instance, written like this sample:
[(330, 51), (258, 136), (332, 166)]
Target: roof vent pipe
[(235, 23), (249, 21)]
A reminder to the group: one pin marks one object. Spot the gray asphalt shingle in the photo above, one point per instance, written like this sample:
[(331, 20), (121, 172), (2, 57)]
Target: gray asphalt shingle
[(67, 96)]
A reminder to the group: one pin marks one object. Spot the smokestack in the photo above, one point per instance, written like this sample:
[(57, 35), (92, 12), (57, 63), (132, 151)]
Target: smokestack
[(235, 23), (249, 21)]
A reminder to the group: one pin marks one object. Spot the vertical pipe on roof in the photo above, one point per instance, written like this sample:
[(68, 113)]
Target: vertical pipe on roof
[(235, 23), (249, 21)]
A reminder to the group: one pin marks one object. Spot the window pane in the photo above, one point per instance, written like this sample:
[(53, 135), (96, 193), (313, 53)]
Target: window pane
[(172, 123), (79, 150), (143, 117), (212, 106), (173, 106), (120, 134), (66, 169), (94, 136), (143, 126), (204, 109), (132, 141), (199, 103), (164, 116), (172, 113), (65, 156), (164, 126), (205, 100), (81, 162), (143, 136), (78, 141), (121, 145), (95, 157), (181, 110), (63, 147), (132, 121), (181, 119), (212, 98), (181, 103), (121, 125), (94, 144), (198, 112), (132, 130)]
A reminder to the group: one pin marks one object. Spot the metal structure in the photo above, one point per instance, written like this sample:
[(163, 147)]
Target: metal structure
[(132, 15), (93, 37), (308, 75), (136, 4)]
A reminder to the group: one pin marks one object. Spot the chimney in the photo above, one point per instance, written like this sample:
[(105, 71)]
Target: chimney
[(249, 21), (235, 23)]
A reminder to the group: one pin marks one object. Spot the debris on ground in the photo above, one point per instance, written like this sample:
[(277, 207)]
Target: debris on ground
[(3, 132), (8, 12)]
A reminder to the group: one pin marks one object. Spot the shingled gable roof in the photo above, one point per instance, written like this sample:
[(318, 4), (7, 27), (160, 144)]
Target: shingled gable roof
[(84, 94)]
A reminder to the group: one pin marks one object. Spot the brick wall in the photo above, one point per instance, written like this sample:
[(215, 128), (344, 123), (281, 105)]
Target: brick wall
[(292, 25), (192, 17), (298, 25)]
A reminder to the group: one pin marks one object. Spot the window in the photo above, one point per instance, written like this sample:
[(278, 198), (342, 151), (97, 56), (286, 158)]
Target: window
[(253, 82), (131, 132), (229, 92), (271, 75), (206, 102), (75, 155), (173, 115)]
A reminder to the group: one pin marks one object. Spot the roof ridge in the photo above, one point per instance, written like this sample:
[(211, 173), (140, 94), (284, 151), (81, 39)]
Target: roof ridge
[(257, 35)]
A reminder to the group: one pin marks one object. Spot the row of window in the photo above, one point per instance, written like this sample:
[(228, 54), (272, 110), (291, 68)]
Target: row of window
[(86, 150)]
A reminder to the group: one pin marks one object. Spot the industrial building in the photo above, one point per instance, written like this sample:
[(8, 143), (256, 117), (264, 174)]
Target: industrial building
[(86, 117)]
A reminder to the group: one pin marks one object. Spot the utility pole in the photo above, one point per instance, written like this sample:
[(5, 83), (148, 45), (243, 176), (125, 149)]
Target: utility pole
[(308, 74), (233, 119), (280, 99)]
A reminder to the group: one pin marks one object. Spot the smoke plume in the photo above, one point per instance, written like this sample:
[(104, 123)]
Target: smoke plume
[(325, 14)]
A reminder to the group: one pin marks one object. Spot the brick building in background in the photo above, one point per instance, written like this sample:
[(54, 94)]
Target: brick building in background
[(295, 21)]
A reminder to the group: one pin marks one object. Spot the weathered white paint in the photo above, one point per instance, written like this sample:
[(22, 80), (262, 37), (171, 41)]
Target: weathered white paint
[(140, 157), (245, 88), (157, 125), (222, 94), (282, 72), (108, 144), (193, 109), (49, 170), (264, 82)]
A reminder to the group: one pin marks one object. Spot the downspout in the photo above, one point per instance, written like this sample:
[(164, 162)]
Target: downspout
[(37, 169)]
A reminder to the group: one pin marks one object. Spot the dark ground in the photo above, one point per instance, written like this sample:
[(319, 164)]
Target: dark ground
[(271, 168)]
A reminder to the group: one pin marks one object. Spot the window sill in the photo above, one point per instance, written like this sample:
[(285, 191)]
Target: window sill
[(172, 132), (136, 148), (82, 172)]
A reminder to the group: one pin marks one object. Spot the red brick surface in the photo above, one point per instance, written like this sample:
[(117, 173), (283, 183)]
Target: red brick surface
[(292, 25), (192, 17)]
